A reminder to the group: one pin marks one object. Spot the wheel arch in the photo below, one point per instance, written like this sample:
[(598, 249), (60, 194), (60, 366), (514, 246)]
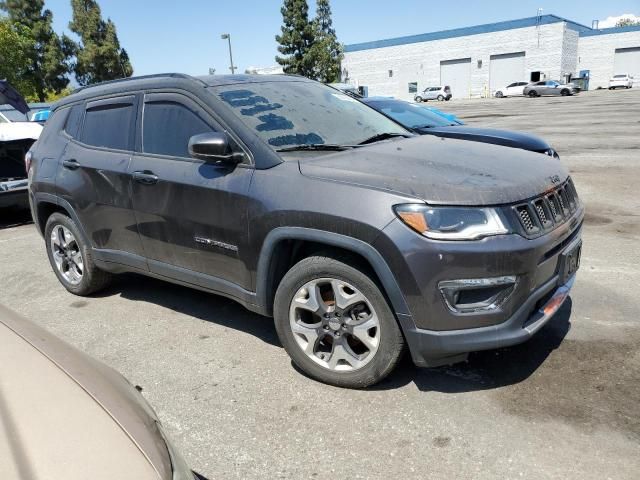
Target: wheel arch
[(285, 246), (47, 204)]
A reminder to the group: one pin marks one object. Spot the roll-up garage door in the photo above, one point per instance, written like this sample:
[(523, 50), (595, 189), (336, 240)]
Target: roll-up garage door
[(457, 75), (505, 69), (627, 60)]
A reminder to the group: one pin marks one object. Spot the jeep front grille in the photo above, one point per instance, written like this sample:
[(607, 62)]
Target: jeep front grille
[(546, 212)]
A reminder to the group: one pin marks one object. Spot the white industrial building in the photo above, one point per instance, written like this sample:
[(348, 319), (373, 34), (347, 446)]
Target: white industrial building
[(475, 61)]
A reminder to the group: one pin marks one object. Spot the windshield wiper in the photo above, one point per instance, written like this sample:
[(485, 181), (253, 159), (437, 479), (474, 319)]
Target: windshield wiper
[(314, 146), (383, 136)]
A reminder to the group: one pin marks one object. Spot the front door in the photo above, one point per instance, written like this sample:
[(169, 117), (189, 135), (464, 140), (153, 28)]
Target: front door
[(192, 215)]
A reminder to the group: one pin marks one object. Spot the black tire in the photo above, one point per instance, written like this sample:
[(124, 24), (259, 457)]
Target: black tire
[(532, 94), (418, 99), (391, 343), (564, 92), (440, 98), (499, 94), (93, 279)]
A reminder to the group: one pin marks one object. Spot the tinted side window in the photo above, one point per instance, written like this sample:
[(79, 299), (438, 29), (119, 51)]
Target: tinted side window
[(72, 126), (109, 126), (168, 126)]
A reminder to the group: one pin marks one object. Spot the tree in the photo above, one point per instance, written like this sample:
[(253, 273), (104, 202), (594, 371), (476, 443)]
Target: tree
[(98, 55), (627, 22), (296, 39), (16, 49), (326, 52), (50, 54)]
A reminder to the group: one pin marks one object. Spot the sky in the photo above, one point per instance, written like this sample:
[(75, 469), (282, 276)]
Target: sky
[(184, 36)]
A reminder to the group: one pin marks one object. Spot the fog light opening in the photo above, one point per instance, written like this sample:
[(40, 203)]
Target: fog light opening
[(477, 295)]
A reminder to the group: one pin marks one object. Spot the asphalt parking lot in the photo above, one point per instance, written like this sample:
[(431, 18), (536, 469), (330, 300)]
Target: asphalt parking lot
[(564, 405)]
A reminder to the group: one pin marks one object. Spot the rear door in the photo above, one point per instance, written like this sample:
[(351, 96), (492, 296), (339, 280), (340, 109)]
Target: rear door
[(191, 215), (93, 176)]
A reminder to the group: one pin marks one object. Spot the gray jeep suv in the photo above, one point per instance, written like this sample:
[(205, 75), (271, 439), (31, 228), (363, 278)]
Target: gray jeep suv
[(304, 204)]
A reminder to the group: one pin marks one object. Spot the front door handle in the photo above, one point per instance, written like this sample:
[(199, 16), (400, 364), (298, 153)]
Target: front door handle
[(145, 177), (71, 164)]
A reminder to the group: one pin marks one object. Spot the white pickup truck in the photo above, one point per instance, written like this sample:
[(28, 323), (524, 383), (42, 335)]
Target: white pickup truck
[(15, 140)]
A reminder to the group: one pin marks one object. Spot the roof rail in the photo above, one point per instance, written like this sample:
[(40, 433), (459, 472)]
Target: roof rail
[(141, 77)]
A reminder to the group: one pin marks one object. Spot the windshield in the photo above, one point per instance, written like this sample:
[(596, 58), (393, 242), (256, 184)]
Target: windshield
[(410, 115), (303, 113)]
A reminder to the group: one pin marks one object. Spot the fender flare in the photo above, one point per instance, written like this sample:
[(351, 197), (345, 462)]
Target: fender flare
[(377, 262), (42, 197)]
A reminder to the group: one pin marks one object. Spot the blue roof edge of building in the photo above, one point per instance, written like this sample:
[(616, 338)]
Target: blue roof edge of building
[(609, 31), (548, 19)]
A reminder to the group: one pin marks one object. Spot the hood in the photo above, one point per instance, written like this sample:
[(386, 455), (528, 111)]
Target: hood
[(441, 170), (10, 96), (507, 138), (10, 132), (101, 424)]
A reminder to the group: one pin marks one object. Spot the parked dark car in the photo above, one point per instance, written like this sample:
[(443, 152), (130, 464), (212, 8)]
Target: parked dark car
[(304, 204), (420, 120)]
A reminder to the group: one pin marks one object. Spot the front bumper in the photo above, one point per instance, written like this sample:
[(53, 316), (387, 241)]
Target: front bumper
[(437, 335), (430, 348)]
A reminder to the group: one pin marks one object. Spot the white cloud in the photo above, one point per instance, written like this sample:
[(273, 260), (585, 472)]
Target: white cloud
[(611, 21)]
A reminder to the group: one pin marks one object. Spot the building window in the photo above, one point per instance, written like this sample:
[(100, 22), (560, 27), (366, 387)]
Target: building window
[(390, 73), (413, 87)]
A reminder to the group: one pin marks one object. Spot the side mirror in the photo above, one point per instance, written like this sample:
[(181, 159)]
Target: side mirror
[(213, 147)]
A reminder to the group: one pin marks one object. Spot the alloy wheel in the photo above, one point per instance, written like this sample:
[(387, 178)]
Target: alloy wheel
[(334, 324), (66, 254)]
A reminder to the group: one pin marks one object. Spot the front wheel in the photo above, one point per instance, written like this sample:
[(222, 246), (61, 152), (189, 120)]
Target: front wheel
[(565, 93), (335, 323), (418, 99)]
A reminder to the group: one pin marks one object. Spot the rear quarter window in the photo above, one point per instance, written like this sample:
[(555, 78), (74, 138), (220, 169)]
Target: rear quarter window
[(74, 120), (109, 126)]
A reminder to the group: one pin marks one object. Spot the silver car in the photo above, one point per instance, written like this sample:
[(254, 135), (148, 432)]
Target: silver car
[(442, 93), (550, 87)]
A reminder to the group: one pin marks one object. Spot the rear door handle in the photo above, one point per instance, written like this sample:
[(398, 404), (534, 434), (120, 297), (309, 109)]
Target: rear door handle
[(71, 164), (145, 177)]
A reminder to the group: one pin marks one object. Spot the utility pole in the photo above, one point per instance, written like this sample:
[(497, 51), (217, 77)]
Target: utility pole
[(226, 36)]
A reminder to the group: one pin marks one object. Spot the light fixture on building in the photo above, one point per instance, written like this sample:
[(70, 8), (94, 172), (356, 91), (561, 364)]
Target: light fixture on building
[(479, 63)]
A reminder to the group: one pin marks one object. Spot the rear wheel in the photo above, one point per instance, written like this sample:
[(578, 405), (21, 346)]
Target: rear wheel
[(499, 94), (440, 98), (533, 94), (71, 258), (335, 323)]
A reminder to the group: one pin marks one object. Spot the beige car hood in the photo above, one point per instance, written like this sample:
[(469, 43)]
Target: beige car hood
[(63, 415)]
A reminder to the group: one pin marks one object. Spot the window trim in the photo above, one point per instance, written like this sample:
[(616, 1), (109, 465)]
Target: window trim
[(110, 100)]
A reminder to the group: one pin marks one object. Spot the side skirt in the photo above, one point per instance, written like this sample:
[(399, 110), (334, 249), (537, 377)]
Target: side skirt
[(115, 261)]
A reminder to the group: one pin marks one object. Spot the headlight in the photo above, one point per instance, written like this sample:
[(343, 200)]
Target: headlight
[(451, 223)]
